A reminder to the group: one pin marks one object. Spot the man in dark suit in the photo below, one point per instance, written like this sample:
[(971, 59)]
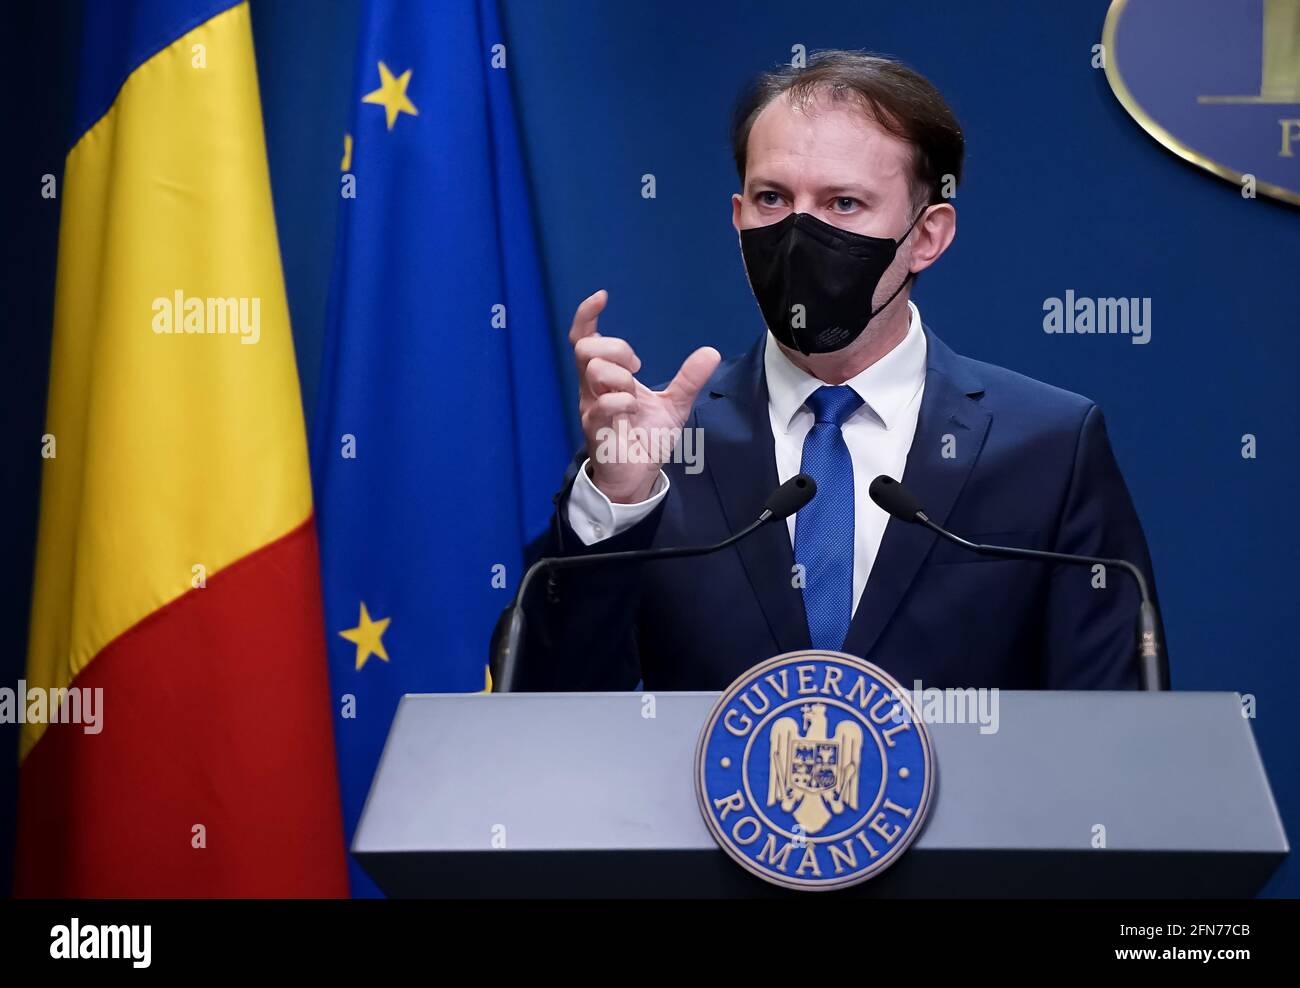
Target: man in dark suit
[(846, 168)]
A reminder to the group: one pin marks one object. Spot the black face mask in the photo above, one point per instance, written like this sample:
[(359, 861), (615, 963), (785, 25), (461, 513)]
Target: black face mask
[(831, 274)]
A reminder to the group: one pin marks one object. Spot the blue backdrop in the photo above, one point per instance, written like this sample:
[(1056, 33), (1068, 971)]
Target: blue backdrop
[(1063, 191)]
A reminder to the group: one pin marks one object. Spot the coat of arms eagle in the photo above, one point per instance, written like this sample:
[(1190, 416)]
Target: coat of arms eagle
[(813, 772)]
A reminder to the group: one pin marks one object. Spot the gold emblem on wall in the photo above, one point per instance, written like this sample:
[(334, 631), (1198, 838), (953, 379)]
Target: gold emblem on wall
[(1277, 63)]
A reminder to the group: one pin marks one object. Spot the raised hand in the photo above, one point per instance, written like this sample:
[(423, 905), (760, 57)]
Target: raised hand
[(630, 429)]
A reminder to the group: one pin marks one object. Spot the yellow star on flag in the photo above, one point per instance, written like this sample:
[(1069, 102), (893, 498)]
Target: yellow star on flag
[(368, 636), (391, 95)]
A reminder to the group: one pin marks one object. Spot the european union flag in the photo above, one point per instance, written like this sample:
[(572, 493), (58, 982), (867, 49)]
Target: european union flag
[(440, 436)]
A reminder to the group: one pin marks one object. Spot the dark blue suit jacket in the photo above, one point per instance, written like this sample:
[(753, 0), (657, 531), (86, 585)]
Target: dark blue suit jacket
[(997, 458)]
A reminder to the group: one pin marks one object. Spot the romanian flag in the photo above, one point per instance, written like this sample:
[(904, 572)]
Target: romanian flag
[(176, 563)]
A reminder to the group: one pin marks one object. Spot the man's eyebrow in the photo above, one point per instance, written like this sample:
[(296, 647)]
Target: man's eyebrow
[(759, 182), (855, 191)]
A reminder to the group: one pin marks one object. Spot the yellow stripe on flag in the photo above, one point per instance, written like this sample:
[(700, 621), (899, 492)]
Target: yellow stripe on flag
[(173, 451)]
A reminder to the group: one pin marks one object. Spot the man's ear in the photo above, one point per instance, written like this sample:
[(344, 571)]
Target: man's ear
[(933, 234), (737, 200)]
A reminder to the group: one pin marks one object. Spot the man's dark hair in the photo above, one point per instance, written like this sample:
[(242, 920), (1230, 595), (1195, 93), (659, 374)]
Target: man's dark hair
[(899, 99)]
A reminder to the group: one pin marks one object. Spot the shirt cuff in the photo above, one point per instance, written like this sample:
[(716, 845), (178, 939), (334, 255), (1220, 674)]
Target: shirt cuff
[(594, 517)]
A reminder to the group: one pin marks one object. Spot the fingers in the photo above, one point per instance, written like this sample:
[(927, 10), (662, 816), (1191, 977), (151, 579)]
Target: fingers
[(694, 373), (614, 359), (584, 320), (607, 366), (603, 376), (608, 348), (607, 408), (601, 413)]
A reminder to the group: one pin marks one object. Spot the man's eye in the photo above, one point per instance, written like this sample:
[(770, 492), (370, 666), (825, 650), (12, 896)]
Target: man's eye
[(845, 204), (769, 199)]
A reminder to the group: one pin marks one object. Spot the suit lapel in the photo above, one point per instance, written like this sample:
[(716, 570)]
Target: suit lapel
[(739, 452), (950, 433)]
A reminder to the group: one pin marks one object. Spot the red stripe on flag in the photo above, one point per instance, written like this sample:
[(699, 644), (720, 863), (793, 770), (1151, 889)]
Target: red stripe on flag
[(216, 714)]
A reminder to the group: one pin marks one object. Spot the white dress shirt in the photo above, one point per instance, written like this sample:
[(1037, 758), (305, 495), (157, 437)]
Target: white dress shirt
[(879, 435)]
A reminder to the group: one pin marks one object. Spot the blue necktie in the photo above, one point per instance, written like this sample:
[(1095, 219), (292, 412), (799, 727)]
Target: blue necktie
[(823, 531)]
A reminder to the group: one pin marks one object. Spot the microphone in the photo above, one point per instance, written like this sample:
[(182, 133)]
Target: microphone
[(781, 504), (897, 501)]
